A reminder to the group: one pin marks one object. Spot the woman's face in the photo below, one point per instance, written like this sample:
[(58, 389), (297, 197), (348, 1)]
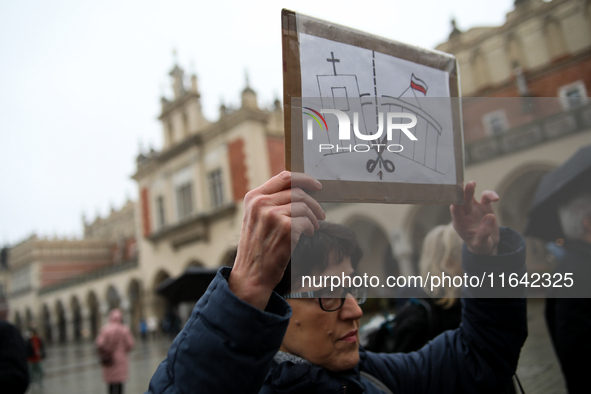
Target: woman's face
[(327, 339)]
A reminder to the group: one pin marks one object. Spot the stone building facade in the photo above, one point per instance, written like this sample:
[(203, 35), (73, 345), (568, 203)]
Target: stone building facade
[(36, 264), (542, 49), (189, 213), (191, 192), (525, 86), (42, 275)]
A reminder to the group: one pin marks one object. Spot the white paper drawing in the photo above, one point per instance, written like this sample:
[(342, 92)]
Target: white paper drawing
[(353, 79)]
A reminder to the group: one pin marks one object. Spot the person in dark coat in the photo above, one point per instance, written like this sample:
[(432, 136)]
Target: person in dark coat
[(568, 309), (232, 337), (14, 373)]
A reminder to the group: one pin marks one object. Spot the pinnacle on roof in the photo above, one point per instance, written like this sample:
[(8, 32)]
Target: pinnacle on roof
[(454, 28)]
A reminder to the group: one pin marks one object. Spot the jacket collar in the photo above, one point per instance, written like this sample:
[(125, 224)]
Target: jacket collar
[(293, 375)]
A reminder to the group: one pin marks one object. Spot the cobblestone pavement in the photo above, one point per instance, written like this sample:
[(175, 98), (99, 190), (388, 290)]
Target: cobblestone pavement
[(538, 369), (74, 368)]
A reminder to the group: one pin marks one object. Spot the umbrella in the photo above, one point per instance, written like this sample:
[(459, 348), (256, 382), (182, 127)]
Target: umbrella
[(189, 286), (554, 189)]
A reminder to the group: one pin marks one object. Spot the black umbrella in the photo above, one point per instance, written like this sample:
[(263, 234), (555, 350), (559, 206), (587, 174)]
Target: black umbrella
[(555, 188), (189, 286)]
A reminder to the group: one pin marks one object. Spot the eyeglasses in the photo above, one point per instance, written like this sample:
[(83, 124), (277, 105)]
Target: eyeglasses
[(331, 301)]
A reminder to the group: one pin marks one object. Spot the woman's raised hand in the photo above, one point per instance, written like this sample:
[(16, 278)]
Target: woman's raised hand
[(276, 214), (475, 221)]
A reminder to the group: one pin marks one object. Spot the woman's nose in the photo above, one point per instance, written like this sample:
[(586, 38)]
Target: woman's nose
[(350, 310)]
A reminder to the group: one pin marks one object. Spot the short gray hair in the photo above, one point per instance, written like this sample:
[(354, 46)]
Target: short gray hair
[(572, 214)]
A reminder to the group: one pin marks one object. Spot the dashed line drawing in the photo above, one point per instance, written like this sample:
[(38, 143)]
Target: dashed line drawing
[(335, 89)]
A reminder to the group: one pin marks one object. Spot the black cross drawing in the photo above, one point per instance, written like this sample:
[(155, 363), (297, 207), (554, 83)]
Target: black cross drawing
[(334, 62)]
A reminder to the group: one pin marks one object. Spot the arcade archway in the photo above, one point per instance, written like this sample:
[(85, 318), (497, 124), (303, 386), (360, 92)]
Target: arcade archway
[(46, 323), (135, 304), (423, 219), (29, 319), (76, 318), (516, 196), (94, 313), (18, 321), (160, 305), (378, 257), (60, 313), (113, 298)]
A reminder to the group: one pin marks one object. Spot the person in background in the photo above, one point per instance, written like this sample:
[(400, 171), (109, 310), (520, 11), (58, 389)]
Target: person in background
[(116, 340), (143, 327), (35, 355), (421, 319), (442, 254), (568, 314), (14, 374)]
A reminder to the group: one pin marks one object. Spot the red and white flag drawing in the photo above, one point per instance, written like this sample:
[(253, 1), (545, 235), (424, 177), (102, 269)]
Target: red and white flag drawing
[(418, 84)]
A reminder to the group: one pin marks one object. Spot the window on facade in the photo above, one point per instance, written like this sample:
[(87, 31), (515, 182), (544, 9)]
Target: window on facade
[(184, 200), (573, 95), (160, 212), (495, 122), (216, 188)]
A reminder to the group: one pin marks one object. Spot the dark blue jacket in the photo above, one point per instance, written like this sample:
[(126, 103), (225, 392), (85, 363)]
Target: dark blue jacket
[(227, 346), (568, 315)]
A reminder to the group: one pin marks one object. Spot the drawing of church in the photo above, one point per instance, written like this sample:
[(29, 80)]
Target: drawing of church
[(342, 92)]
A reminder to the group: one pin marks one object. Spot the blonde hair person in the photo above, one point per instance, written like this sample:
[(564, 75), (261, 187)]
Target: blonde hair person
[(429, 312), (442, 254)]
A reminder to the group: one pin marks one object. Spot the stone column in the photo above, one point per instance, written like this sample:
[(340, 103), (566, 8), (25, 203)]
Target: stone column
[(55, 330), (104, 312), (126, 311), (68, 317), (42, 328), (85, 322)]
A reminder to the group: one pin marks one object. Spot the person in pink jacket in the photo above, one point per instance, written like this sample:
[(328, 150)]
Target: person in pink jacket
[(115, 340)]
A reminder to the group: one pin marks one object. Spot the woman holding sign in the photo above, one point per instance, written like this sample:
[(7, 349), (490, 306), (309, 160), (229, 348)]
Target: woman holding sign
[(235, 334)]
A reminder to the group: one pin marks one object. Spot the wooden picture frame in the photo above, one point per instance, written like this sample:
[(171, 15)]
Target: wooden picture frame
[(297, 27)]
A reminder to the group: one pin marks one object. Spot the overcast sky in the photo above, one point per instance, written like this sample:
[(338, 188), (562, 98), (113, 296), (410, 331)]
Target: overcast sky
[(80, 84)]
